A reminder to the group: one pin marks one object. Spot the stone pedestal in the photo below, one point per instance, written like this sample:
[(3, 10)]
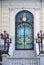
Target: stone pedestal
[(4, 59), (41, 59)]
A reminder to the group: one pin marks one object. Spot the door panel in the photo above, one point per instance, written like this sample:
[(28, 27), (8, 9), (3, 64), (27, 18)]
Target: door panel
[(24, 36)]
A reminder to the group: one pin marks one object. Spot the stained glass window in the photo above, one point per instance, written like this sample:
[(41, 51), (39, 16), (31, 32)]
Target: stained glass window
[(24, 30)]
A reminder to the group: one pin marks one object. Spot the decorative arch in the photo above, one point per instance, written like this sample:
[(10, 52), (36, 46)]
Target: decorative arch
[(24, 30)]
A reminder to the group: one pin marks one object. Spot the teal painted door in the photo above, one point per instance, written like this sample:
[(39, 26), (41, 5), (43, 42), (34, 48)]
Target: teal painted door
[(24, 36)]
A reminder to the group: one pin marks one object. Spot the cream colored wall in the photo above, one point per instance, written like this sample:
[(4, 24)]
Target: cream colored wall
[(4, 19), (0, 19), (35, 12), (43, 19), (7, 20)]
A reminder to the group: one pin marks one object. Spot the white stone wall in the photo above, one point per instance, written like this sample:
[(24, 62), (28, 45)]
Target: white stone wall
[(20, 61), (4, 19), (21, 4), (7, 22), (0, 19), (23, 60)]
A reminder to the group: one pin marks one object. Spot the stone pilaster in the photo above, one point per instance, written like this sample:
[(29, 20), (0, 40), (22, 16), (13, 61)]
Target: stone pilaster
[(41, 19), (5, 20)]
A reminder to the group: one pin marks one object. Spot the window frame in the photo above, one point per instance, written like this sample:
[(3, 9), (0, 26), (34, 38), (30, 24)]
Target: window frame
[(17, 23)]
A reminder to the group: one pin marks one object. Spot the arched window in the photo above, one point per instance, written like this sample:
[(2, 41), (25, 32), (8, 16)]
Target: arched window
[(24, 23)]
